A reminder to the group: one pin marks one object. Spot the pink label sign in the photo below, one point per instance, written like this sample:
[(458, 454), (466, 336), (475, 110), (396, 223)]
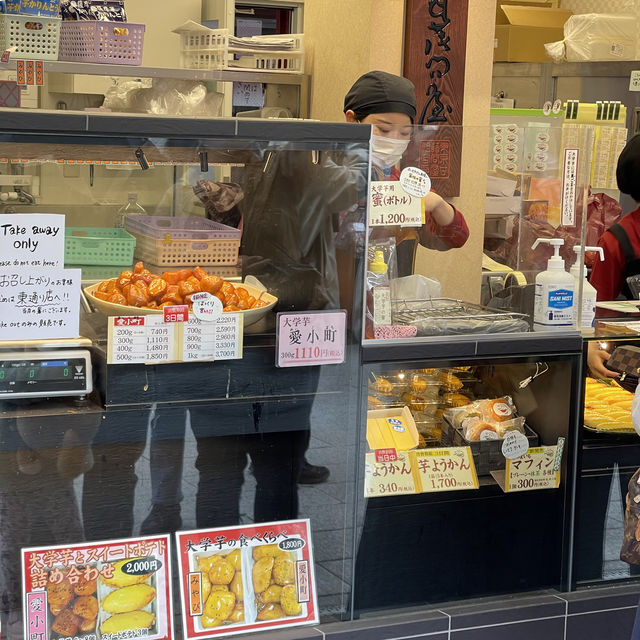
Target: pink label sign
[(37, 614), (311, 338)]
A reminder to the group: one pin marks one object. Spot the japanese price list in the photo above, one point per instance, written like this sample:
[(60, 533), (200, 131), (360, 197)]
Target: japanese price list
[(150, 340)]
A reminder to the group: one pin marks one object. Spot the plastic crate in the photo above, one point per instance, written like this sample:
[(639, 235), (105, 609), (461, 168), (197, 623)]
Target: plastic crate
[(102, 42), (98, 246), (30, 37), (487, 454), (167, 241), (212, 50)]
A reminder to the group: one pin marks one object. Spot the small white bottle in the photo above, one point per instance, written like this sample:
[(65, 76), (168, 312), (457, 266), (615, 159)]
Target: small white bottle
[(132, 208), (589, 294), (553, 307)]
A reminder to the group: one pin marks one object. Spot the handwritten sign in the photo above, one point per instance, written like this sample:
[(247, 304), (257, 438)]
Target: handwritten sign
[(448, 469), (388, 477), (538, 468), (151, 340), (39, 303), (569, 186), (32, 240), (238, 550), (310, 338), (110, 562), (390, 204)]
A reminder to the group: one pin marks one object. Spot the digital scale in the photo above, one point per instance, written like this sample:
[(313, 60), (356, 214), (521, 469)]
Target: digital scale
[(45, 373)]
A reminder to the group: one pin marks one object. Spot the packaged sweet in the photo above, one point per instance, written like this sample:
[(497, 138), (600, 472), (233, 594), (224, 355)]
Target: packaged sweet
[(486, 419), (105, 10)]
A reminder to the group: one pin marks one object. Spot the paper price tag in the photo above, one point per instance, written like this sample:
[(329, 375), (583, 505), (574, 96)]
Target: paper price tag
[(450, 469), (391, 205), (219, 340), (569, 186), (386, 455), (536, 469), (206, 307), (634, 81), (415, 182), (140, 339), (388, 478), (514, 445)]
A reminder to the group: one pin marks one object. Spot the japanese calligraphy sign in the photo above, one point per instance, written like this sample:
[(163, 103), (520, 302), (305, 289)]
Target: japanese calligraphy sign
[(390, 204), (538, 468), (39, 303), (32, 240), (100, 591), (569, 187), (151, 340), (434, 60), (310, 338), (269, 572), (388, 475), (450, 469)]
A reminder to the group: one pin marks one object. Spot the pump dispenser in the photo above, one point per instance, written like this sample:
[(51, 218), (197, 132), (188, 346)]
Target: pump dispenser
[(589, 293), (378, 265), (554, 292)]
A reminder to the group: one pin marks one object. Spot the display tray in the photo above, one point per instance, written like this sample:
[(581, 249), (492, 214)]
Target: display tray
[(627, 431), (112, 309)]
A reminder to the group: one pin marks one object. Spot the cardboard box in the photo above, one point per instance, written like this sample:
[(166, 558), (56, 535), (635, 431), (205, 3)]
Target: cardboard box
[(522, 31)]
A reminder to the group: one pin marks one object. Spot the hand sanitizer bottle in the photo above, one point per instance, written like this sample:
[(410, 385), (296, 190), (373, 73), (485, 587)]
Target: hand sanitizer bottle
[(588, 301), (553, 307)]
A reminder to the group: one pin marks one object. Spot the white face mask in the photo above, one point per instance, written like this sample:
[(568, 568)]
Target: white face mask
[(387, 152)]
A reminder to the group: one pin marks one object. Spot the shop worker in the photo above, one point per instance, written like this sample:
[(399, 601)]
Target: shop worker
[(388, 103), (621, 249)]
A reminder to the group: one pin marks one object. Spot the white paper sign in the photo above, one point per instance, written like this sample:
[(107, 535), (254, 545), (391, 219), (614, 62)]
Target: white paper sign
[(634, 81), (569, 187), (390, 204), (31, 240), (39, 303)]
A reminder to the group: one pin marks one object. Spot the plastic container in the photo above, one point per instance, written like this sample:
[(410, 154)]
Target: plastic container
[(211, 49), (102, 42), (30, 37), (98, 246), (168, 241), (589, 294), (132, 208)]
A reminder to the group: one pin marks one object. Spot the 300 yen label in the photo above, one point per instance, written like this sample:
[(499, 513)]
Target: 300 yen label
[(140, 566)]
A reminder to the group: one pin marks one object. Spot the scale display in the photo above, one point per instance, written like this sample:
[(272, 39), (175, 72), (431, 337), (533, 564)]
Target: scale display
[(41, 374)]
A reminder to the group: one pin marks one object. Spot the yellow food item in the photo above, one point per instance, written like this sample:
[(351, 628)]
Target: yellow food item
[(271, 611), (236, 587), (261, 573), (237, 615), (205, 563), (289, 601), (129, 598), (221, 572), (132, 620), (265, 550), (418, 384), (219, 605), (271, 594), (205, 585), (235, 559), (383, 385), (120, 579), (428, 372), (450, 382), (209, 623), (219, 587), (284, 572), (455, 399)]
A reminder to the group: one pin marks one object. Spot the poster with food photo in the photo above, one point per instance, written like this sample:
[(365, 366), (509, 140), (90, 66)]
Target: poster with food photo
[(99, 591), (246, 578)]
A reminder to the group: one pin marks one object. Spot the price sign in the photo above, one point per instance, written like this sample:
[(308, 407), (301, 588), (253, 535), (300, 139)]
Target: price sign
[(140, 339), (394, 477), (220, 340), (449, 469), (538, 468), (390, 204)]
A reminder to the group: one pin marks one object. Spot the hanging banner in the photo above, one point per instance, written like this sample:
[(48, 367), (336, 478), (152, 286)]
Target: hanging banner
[(434, 60), (104, 590), (246, 578)]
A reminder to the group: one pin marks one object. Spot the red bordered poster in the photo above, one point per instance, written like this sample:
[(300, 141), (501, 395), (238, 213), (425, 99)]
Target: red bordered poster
[(99, 591), (246, 578)]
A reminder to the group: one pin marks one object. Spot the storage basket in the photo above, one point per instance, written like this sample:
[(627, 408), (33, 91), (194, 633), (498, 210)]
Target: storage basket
[(167, 241), (102, 42), (30, 37), (98, 246), (487, 454), (213, 49)]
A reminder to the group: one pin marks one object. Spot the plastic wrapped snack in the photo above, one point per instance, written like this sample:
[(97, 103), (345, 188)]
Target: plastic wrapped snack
[(486, 419)]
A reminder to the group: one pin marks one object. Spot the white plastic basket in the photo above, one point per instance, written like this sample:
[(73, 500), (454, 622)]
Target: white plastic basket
[(211, 49), (30, 37)]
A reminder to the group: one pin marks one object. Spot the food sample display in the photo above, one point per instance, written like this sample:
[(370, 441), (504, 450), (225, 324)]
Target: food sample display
[(607, 406), (487, 419), (74, 607)]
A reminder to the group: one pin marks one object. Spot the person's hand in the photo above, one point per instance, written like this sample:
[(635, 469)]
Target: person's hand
[(596, 357), (439, 209)]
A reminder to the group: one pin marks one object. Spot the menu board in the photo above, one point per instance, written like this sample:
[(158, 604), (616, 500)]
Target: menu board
[(109, 590), (150, 340), (268, 572)]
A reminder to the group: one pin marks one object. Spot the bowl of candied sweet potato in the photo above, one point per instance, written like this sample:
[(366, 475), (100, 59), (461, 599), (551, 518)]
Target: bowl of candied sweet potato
[(141, 292)]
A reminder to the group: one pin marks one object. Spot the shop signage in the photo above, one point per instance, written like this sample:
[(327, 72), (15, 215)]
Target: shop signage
[(39, 303), (450, 469), (151, 340), (434, 60), (538, 468), (108, 590), (176, 313), (268, 571), (388, 477), (32, 240), (310, 338), (569, 187), (390, 204)]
